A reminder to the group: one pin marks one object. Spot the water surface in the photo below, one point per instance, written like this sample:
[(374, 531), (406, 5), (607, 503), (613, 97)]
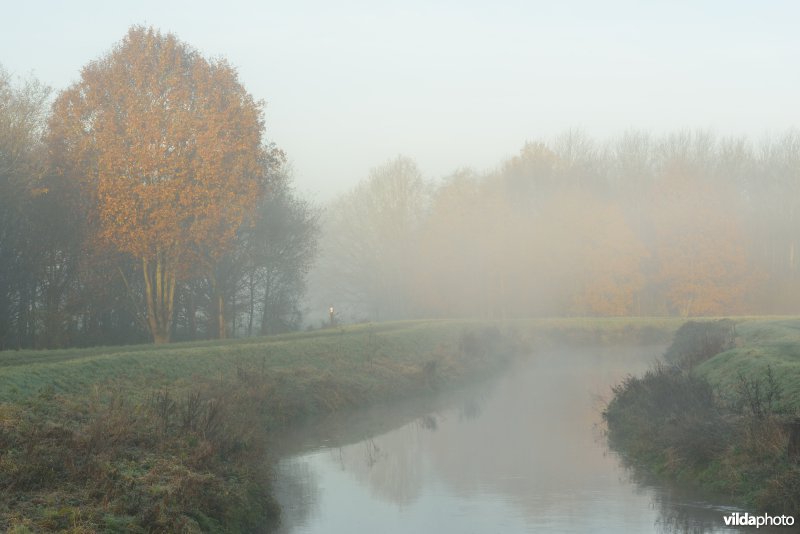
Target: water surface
[(523, 452)]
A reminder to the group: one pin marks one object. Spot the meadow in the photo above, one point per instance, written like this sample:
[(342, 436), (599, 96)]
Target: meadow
[(177, 437), (762, 345)]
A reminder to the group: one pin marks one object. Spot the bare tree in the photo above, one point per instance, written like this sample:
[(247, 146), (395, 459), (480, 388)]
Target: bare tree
[(369, 239), (22, 167)]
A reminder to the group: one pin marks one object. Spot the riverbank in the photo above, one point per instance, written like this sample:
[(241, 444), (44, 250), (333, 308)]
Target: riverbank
[(175, 438), (716, 413)]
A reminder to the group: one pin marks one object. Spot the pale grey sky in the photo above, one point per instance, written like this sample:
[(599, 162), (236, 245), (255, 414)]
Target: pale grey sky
[(452, 83)]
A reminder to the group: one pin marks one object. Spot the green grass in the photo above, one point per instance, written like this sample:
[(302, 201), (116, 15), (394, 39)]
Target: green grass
[(344, 350), (760, 344), (174, 438), (136, 368)]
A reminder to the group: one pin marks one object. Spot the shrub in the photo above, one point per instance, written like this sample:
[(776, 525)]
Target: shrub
[(757, 396), (782, 493), (695, 342), (667, 409)]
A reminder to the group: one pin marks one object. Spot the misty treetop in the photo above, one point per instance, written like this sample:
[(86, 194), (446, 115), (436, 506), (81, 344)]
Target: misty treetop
[(684, 224)]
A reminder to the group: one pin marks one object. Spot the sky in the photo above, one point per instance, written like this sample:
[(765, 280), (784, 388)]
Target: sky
[(451, 84)]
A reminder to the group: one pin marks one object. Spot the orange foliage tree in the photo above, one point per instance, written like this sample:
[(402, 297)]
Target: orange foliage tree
[(585, 255), (700, 247), (167, 148)]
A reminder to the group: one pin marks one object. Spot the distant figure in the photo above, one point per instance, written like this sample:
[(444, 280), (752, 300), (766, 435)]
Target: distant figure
[(332, 315)]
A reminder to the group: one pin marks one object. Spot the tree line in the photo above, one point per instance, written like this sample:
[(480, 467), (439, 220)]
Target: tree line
[(686, 223), (145, 203)]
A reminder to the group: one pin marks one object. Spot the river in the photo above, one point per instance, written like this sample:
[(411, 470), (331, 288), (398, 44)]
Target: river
[(522, 452)]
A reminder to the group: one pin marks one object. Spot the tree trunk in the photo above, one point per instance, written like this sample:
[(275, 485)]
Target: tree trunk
[(159, 284), (252, 305), (233, 315), (265, 310), (217, 315), (191, 315), (221, 315)]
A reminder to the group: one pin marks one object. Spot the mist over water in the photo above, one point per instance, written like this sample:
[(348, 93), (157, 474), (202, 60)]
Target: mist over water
[(524, 453)]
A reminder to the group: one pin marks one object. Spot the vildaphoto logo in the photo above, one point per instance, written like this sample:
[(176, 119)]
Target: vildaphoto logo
[(737, 519)]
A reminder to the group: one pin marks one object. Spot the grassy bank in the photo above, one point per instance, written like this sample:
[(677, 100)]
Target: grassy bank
[(716, 412), (175, 438), (763, 346)]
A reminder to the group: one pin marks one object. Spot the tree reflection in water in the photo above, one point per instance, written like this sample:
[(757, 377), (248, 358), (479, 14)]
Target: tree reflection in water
[(521, 455)]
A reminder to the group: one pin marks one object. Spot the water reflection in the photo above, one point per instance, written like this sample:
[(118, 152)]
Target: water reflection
[(520, 454), (298, 488)]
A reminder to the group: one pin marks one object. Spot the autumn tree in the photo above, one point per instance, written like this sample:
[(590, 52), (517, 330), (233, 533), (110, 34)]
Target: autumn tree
[(166, 146), (700, 261), (593, 258)]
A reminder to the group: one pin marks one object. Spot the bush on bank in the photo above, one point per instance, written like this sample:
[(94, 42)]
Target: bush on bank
[(731, 440)]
